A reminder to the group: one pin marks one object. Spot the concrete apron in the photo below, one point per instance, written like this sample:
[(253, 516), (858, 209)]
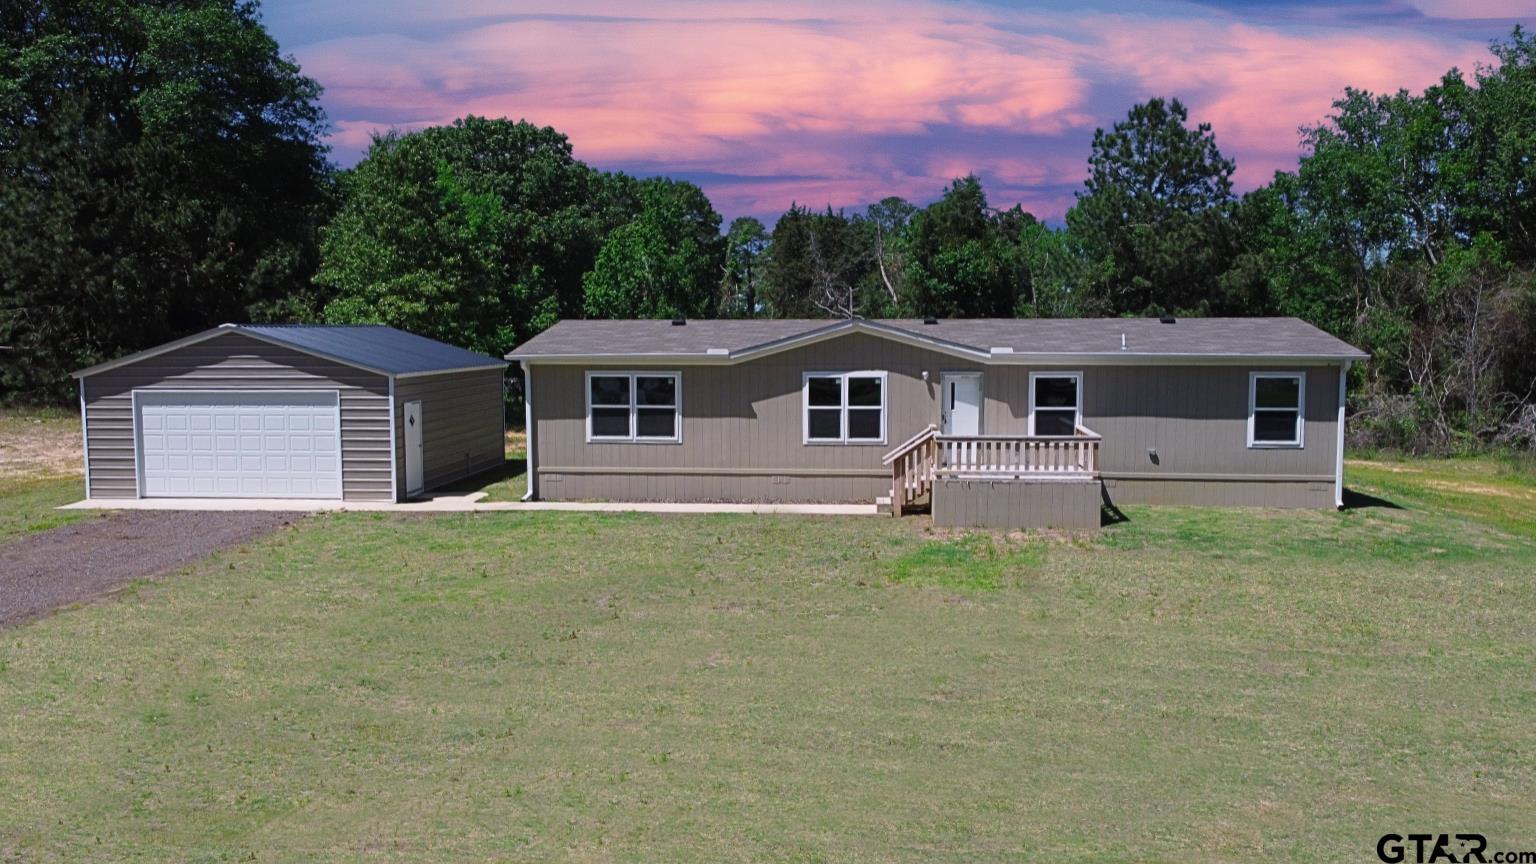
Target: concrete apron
[(470, 503)]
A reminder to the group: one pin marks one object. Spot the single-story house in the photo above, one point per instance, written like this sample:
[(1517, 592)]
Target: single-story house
[(998, 421), (358, 413)]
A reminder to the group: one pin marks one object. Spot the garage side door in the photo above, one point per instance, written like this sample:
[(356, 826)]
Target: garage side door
[(239, 445)]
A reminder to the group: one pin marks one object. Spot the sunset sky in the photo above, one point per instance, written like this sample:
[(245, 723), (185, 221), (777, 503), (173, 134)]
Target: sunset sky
[(764, 103)]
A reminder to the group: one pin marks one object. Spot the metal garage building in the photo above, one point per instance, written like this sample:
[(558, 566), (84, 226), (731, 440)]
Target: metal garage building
[(359, 413)]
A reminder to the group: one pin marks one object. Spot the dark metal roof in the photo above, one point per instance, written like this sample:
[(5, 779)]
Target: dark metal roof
[(997, 338), (372, 346)]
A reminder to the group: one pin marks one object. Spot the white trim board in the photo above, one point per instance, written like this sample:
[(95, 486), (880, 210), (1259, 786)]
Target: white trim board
[(1078, 418), (843, 408), (1301, 409), (85, 443), (634, 405)]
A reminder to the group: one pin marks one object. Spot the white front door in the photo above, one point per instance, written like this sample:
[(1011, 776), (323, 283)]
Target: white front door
[(413, 449), (238, 444), (960, 411)]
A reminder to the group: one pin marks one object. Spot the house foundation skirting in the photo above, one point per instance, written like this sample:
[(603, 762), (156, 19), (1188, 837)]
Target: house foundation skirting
[(1221, 492), (1069, 505)]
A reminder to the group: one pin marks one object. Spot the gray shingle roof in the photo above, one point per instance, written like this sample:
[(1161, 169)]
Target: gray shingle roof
[(1086, 337), (373, 346)]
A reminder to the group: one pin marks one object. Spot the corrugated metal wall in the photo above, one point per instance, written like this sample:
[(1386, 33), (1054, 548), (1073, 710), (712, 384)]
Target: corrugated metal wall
[(461, 415), (233, 361)]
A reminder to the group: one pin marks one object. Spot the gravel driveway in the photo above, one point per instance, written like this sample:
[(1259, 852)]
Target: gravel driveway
[(80, 562)]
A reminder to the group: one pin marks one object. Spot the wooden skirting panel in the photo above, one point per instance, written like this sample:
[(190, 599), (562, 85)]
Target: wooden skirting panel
[(1221, 492), (1070, 505)]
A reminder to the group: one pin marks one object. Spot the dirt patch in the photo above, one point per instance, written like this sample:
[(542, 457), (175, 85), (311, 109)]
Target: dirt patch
[(83, 562), (39, 447)]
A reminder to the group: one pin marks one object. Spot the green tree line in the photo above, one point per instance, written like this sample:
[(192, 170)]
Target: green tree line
[(164, 170)]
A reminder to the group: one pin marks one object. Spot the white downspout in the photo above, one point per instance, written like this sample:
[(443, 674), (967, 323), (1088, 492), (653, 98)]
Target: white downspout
[(1338, 456), (532, 492)]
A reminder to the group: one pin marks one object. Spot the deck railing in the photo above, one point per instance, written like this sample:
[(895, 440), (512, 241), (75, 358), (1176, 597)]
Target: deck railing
[(1016, 456), (929, 456)]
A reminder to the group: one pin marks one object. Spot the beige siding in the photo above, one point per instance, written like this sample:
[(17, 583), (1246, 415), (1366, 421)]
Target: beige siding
[(1221, 493), (462, 424), (737, 418), (230, 362), (742, 429), (1073, 505), (1195, 417)]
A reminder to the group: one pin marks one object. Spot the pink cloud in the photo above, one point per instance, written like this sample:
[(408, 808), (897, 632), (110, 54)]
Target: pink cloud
[(847, 103)]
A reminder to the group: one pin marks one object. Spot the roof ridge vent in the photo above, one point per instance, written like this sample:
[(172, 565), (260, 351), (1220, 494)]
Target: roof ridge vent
[(679, 322), (1166, 319), (930, 321)]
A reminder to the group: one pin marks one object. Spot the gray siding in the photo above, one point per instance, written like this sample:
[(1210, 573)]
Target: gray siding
[(462, 424), (236, 362), (1221, 493), (742, 430), (1195, 417), (1071, 505)]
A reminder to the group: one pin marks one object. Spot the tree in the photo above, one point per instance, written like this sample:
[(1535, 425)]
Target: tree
[(1155, 213), (1056, 272), (662, 264), (817, 263), (963, 260), (477, 233), (1489, 170), (888, 223), (746, 245), (161, 172)]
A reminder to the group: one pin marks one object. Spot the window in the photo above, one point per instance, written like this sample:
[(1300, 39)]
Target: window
[(845, 408), (634, 406), (1055, 403), (1274, 409)]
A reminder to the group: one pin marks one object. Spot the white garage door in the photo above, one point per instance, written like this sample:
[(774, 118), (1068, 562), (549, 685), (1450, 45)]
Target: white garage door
[(239, 445)]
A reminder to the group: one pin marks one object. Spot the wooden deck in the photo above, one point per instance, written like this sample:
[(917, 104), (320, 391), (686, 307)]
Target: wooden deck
[(999, 481)]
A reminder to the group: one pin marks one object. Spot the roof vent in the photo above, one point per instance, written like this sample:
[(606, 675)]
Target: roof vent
[(1167, 319), (679, 322), (930, 320)]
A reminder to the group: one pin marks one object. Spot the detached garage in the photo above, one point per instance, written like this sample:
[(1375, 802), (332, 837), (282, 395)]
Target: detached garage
[(357, 413)]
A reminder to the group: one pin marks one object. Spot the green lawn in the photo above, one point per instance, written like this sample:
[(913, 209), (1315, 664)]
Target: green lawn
[(39, 470), (27, 505), (1191, 685)]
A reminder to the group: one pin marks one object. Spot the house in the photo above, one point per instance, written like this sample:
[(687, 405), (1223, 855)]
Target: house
[(999, 421), (358, 413)]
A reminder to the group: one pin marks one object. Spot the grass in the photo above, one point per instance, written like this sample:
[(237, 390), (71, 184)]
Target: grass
[(512, 481), (28, 505), (1488, 489), (1193, 685), (39, 470)]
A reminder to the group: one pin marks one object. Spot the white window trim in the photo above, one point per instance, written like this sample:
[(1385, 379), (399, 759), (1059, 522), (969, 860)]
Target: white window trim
[(843, 440), (632, 438), (1301, 410), (1078, 421)]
